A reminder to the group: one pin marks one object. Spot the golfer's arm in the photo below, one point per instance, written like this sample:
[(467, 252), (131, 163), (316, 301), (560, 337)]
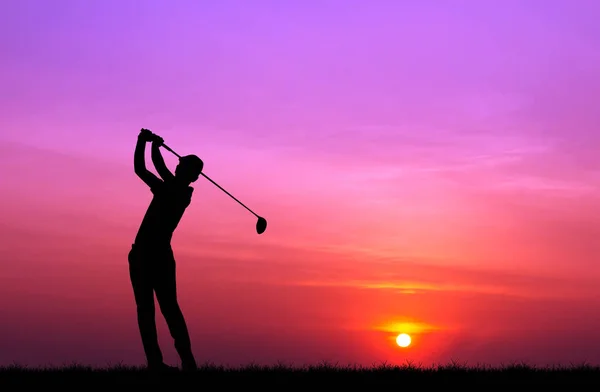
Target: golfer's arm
[(159, 163), (139, 165)]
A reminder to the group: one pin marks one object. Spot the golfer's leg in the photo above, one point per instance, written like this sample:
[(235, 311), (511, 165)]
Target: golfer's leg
[(166, 294), (144, 299)]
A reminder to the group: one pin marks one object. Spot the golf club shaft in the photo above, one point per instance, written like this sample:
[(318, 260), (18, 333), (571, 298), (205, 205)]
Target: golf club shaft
[(230, 195), (218, 186), (169, 149)]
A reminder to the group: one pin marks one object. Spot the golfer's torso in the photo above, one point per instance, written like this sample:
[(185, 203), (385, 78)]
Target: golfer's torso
[(163, 215)]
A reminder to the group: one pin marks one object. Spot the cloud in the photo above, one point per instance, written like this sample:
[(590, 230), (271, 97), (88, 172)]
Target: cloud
[(409, 327)]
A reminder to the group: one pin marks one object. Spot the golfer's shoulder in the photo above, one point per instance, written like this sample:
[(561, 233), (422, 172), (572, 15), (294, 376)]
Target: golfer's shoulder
[(178, 191), (158, 186)]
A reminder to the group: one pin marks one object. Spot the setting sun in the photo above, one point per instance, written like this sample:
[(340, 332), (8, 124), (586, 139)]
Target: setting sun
[(403, 340)]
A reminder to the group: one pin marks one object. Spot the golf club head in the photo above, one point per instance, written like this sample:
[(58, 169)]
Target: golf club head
[(261, 225)]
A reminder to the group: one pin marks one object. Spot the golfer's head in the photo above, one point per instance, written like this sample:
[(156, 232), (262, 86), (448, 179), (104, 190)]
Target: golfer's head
[(189, 168)]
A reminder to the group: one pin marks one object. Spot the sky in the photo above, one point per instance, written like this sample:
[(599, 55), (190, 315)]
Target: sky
[(426, 167)]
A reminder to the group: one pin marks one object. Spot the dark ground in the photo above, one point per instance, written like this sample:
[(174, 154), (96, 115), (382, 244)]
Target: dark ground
[(323, 377)]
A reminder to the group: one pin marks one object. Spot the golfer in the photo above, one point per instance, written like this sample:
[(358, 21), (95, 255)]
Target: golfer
[(151, 260)]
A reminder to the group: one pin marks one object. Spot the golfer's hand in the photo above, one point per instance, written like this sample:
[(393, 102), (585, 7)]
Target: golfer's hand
[(157, 140), (145, 135)]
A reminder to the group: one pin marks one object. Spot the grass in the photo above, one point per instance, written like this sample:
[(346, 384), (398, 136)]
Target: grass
[(320, 377)]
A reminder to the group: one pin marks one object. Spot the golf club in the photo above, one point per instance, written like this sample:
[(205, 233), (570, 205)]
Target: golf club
[(261, 224)]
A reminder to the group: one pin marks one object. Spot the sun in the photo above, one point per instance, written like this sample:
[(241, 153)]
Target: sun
[(403, 340)]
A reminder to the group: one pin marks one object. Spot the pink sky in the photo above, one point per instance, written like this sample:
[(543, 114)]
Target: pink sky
[(426, 167)]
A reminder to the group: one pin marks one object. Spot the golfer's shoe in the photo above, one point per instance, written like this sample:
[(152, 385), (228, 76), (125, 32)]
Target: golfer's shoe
[(189, 366), (162, 368)]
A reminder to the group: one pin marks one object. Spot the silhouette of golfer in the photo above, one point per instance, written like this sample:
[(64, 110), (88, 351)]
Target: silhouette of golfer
[(151, 260)]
